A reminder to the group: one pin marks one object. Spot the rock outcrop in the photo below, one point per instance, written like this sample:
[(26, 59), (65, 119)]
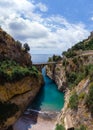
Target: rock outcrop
[(82, 116), (57, 73), (20, 93), (11, 49)]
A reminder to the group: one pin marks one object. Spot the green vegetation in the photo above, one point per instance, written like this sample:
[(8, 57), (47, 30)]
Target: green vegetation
[(84, 46), (73, 101), (7, 110), (73, 78), (26, 47), (55, 58), (75, 60), (59, 127), (89, 98), (69, 53), (89, 70), (11, 71), (82, 95), (82, 127), (79, 46), (65, 62), (19, 45)]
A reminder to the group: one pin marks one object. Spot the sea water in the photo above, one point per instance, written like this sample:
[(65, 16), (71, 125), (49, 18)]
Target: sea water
[(40, 58), (49, 97)]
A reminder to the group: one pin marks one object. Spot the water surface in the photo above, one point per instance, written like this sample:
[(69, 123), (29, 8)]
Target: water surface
[(49, 98), (40, 58)]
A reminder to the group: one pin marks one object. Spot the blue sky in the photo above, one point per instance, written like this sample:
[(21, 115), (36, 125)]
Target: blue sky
[(74, 11), (48, 26)]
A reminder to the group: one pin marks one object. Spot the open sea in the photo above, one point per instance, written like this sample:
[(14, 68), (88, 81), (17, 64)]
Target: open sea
[(39, 58)]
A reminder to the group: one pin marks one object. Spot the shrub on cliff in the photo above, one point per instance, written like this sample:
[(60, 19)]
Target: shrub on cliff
[(72, 77), (54, 58), (86, 46), (69, 53), (59, 127), (82, 127), (11, 71), (79, 46), (19, 44), (26, 47), (89, 70), (89, 99), (73, 101)]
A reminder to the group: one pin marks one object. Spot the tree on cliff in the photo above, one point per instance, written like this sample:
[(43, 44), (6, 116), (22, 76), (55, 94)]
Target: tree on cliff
[(26, 47)]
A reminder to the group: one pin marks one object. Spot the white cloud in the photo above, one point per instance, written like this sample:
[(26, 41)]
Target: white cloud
[(42, 7), (92, 18), (19, 18)]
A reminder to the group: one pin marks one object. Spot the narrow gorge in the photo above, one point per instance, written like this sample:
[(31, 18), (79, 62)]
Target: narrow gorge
[(45, 108)]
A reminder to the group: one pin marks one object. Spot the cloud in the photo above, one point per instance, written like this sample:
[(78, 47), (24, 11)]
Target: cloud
[(42, 7), (22, 20), (25, 29), (92, 18)]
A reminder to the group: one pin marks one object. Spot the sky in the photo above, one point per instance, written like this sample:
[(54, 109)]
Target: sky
[(48, 26)]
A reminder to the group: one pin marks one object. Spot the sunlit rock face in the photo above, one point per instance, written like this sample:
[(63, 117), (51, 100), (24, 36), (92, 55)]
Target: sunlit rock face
[(57, 73)]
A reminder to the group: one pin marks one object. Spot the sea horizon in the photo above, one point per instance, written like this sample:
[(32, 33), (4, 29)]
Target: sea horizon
[(39, 58)]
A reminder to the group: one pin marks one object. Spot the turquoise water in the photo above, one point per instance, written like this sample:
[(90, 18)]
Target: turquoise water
[(49, 98)]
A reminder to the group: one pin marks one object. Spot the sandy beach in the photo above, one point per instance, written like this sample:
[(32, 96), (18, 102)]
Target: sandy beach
[(36, 122)]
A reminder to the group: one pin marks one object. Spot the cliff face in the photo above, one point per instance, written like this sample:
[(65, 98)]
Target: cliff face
[(19, 80), (11, 49), (60, 72), (76, 70), (57, 73), (80, 117), (77, 73), (20, 93)]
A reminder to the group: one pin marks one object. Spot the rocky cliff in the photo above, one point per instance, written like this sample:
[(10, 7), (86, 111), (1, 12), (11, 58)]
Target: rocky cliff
[(64, 71), (19, 80), (21, 94), (57, 73), (76, 70), (11, 49)]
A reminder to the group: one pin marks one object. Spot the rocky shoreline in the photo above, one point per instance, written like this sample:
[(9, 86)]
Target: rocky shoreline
[(35, 121), (62, 114)]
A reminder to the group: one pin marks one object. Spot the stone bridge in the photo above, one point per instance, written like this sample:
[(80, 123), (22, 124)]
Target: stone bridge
[(39, 66)]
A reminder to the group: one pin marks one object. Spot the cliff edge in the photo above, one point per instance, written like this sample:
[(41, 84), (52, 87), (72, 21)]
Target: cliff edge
[(19, 80)]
